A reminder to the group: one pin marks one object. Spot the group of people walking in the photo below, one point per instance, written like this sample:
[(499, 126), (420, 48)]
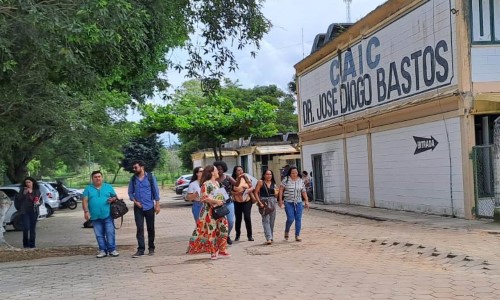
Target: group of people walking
[(210, 189)]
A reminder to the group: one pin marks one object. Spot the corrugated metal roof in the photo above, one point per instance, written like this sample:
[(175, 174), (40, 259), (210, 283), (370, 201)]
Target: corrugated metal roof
[(275, 149), (224, 153)]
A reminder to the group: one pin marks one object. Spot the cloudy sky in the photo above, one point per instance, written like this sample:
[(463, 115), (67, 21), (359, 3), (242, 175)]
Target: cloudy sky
[(295, 24), (285, 45)]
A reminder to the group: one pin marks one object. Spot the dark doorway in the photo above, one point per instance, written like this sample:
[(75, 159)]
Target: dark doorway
[(318, 178)]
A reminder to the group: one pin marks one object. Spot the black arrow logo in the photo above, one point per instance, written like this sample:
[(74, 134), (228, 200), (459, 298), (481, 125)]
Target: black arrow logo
[(424, 144)]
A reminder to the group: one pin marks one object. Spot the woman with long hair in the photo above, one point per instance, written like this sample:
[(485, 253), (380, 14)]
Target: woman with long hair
[(266, 193), (292, 191), (194, 193), (210, 234), (27, 203), (242, 202), (227, 182)]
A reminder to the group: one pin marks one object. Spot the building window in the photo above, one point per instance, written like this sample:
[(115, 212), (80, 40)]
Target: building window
[(485, 21)]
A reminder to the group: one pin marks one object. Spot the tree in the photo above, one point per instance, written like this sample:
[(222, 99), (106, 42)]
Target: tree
[(147, 149), (208, 121), (71, 66)]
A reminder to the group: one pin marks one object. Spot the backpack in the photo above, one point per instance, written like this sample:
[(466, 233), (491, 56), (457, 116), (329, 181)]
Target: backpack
[(150, 179)]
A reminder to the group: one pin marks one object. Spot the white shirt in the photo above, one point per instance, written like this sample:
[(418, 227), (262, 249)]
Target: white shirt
[(194, 187)]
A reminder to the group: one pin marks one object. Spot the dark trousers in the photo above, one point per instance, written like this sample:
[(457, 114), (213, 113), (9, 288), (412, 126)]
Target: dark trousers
[(149, 215), (29, 228), (245, 209)]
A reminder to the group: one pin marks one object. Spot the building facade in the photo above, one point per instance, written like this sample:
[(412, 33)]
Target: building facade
[(391, 109)]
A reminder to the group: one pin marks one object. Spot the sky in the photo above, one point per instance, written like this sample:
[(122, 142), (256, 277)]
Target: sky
[(295, 25)]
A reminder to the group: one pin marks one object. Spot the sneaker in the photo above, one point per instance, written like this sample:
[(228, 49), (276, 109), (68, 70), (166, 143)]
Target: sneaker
[(213, 256), (229, 241), (151, 252), (250, 239), (101, 254), (224, 254), (114, 253), (138, 254)]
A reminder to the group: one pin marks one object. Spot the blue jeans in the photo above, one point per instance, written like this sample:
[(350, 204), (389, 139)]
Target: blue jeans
[(29, 228), (294, 213), (230, 217), (197, 206), (105, 234)]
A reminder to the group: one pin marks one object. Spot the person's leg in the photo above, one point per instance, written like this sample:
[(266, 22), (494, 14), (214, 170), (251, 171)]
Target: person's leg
[(26, 229), (33, 216), (196, 209), (290, 216), (266, 224), (247, 211), (238, 211), (139, 223), (222, 234), (110, 234), (99, 234), (272, 216), (299, 208), (150, 225), (230, 217)]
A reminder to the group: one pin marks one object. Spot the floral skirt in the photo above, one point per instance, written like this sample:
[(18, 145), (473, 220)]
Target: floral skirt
[(210, 235)]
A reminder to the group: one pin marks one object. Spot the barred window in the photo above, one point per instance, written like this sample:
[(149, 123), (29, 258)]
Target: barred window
[(485, 21)]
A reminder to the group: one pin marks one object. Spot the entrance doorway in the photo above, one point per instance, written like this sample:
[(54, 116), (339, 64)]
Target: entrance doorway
[(318, 178)]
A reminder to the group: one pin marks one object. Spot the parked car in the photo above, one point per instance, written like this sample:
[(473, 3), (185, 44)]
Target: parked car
[(12, 217), (252, 179), (51, 197), (182, 182)]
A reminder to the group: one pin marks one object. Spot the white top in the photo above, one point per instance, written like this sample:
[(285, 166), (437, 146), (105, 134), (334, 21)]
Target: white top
[(293, 189), (194, 187)]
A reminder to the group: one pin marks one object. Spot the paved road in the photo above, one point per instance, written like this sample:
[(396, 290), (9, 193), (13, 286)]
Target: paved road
[(341, 257)]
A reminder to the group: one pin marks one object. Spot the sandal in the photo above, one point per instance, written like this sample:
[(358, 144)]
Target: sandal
[(269, 242), (298, 239), (213, 256), (286, 236)]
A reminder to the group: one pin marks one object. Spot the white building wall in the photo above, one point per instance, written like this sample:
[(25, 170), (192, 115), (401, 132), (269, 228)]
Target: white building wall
[(198, 163), (333, 168), (419, 182), (485, 62), (359, 180)]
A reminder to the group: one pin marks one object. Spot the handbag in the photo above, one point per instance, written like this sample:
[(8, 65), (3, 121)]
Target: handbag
[(220, 211), (265, 209), (118, 210)]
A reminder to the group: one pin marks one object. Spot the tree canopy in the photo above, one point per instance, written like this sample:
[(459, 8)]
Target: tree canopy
[(71, 68), (207, 121)]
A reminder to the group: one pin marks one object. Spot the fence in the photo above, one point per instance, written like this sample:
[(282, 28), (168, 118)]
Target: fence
[(484, 181)]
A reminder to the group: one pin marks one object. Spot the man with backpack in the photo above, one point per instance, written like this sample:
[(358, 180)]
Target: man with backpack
[(143, 191)]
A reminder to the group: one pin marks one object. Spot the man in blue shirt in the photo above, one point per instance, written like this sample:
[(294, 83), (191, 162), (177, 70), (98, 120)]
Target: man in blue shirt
[(143, 191), (96, 207)]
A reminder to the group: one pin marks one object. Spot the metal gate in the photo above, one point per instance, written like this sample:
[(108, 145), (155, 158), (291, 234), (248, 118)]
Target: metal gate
[(484, 181)]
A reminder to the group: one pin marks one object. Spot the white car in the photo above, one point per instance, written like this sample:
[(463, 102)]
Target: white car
[(50, 196), (12, 217)]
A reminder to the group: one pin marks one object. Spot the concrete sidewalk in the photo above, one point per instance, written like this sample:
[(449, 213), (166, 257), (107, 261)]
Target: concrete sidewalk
[(435, 221)]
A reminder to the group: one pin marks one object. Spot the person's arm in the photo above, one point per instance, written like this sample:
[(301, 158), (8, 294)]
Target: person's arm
[(112, 194), (206, 197), (280, 194), (256, 192), (238, 186), (85, 204), (157, 193), (304, 195), (131, 195)]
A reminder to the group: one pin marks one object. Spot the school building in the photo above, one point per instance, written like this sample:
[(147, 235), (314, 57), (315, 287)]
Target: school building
[(396, 110)]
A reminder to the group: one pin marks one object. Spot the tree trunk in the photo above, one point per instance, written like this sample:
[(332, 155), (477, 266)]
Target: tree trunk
[(116, 173), (220, 152), (17, 170), (5, 203)]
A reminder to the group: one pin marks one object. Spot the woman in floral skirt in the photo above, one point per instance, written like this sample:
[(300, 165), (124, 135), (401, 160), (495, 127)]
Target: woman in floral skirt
[(210, 234)]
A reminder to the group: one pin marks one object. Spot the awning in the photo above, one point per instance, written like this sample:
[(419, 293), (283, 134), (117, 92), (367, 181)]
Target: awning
[(486, 104), (275, 149), (289, 157), (224, 153)]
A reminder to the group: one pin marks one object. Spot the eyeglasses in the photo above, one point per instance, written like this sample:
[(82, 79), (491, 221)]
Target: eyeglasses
[(200, 171)]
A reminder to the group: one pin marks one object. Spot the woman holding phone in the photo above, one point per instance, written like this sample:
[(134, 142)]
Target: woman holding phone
[(27, 203)]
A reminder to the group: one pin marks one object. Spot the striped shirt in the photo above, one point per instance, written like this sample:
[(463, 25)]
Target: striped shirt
[(293, 189)]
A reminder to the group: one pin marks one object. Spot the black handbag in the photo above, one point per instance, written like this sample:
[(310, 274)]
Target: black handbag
[(265, 209), (118, 210), (220, 211)]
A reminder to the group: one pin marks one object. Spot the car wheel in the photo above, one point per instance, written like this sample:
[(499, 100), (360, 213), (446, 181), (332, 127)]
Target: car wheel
[(18, 223), (50, 210)]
